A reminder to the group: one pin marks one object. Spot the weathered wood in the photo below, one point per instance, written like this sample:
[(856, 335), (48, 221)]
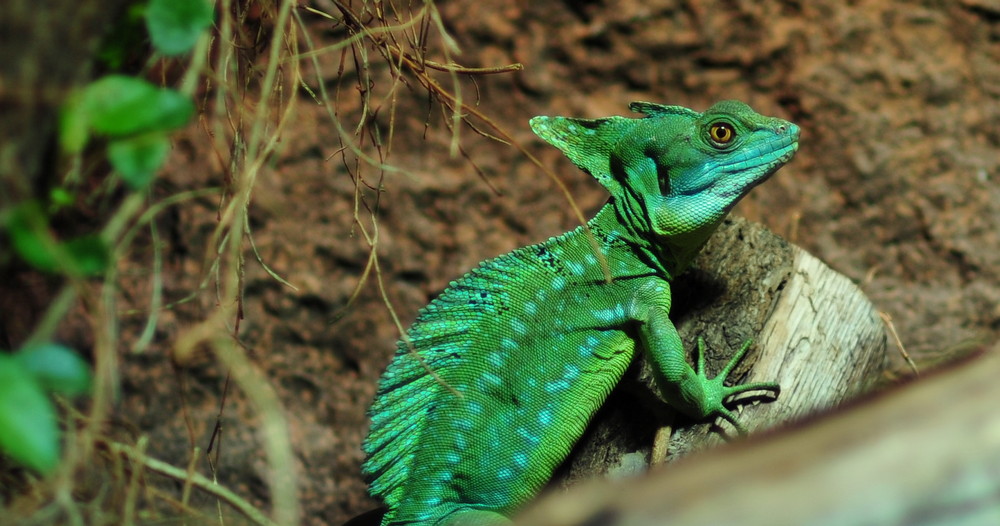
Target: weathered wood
[(926, 453), (814, 332)]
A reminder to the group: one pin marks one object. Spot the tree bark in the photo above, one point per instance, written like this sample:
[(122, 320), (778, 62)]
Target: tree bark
[(927, 453)]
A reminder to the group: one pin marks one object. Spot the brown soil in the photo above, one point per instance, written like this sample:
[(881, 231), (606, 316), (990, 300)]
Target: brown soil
[(894, 186)]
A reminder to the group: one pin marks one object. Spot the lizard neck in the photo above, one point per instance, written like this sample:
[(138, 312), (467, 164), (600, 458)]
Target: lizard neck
[(668, 255), (617, 234)]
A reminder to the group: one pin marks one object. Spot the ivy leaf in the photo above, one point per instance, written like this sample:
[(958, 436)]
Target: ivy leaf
[(118, 106), (27, 226), (28, 430), (56, 368), (74, 125), (175, 25), (138, 158)]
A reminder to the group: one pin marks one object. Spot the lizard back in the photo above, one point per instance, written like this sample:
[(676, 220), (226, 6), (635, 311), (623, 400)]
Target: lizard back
[(509, 344)]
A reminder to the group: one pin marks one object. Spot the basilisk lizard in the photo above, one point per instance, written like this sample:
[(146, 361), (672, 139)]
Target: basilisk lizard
[(498, 376)]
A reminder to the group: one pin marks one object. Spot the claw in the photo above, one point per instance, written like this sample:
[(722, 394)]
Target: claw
[(728, 391)]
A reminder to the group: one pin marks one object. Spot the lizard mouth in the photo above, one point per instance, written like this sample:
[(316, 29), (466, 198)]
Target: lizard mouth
[(755, 165)]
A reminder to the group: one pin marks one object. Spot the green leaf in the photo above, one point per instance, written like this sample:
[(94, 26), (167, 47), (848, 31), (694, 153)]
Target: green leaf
[(119, 106), (89, 254), (74, 125), (56, 368), (138, 158), (28, 430), (27, 226), (59, 198), (175, 25)]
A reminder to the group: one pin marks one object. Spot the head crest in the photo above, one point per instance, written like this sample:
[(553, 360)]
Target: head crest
[(586, 142), (652, 109)]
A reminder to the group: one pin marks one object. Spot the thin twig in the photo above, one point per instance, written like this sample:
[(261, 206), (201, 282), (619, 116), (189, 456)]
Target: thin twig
[(887, 319), (197, 480)]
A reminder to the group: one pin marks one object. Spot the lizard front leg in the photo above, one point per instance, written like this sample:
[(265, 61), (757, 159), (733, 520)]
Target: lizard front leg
[(687, 389)]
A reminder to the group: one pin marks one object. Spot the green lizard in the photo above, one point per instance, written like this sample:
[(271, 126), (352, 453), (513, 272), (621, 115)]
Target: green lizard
[(527, 346)]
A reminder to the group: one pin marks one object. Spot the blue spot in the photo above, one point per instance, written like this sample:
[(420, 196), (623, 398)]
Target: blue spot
[(433, 501), (508, 343), (505, 474), (475, 408), (540, 295), (570, 372), (521, 460), (574, 267), (615, 314), (545, 417), (531, 438), (451, 457), (590, 259), (464, 424), (558, 385), (496, 359), (488, 380), (530, 307), (519, 327), (559, 283), (460, 442)]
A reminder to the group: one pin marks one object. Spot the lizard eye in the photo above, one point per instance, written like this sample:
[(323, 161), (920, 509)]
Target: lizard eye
[(721, 133)]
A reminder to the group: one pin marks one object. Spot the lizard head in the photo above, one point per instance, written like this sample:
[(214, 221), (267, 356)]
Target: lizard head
[(675, 170)]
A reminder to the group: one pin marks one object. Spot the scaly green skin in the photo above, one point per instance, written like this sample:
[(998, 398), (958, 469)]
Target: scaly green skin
[(527, 346)]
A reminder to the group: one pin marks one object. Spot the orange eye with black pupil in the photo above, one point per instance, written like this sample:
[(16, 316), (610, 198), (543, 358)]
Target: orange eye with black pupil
[(721, 133)]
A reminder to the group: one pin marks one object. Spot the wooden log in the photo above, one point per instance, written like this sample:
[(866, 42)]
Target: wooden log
[(814, 332), (925, 453)]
